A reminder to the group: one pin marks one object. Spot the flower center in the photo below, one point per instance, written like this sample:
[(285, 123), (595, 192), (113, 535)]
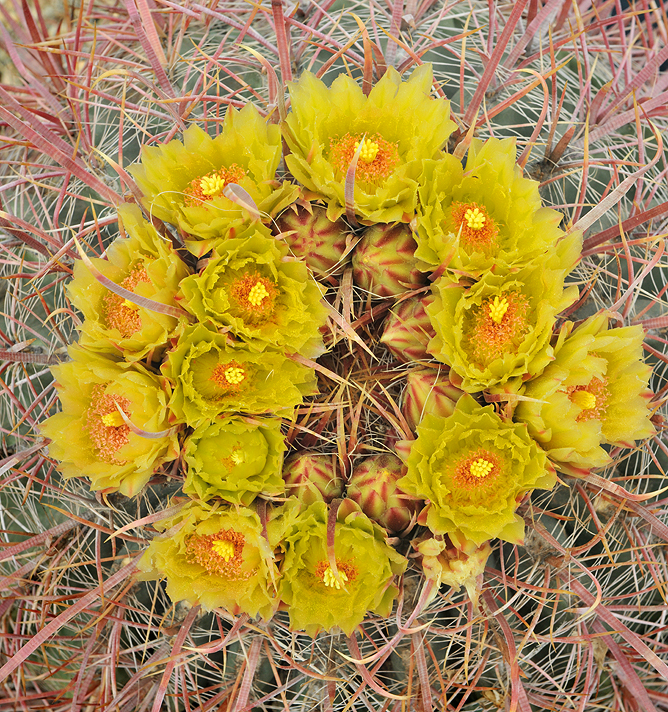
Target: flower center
[(369, 150), (224, 549), (477, 468), (475, 219), (592, 399), (347, 572), (481, 467), (498, 309), (228, 376), (106, 428), (477, 230), (219, 554), (212, 184), (378, 157), (498, 326), (329, 579), (255, 296), (122, 314)]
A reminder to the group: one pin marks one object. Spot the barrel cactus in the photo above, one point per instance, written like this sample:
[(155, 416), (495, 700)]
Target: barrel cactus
[(333, 356)]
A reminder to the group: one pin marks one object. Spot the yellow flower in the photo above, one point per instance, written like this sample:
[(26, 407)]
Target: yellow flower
[(91, 438), (184, 183), (219, 557), (399, 124), (316, 598), (145, 264), (594, 392), (473, 468), (486, 214), (499, 328), (235, 459)]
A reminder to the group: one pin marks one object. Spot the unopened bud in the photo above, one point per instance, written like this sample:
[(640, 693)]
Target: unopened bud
[(428, 391), (384, 262), (373, 486), (320, 242), (408, 330), (312, 477)]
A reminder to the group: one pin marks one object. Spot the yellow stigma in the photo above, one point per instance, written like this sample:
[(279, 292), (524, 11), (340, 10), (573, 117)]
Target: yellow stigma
[(130, 305), (237, 457), (257, 294), (329, 580), (498, 309), (211, 185), (481, 467), (224, 549), (113, 419), (234, 375), (583, 399), (369, 150), (474, 219)]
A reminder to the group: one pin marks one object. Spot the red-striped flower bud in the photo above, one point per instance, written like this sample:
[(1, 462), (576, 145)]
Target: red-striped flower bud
[(429, 391), (373, 486), (408, 330), (384, 262), (311, 235), (312, 477)]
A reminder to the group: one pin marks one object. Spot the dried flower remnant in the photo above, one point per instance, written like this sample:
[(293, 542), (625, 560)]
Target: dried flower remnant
[(91, 438), (399, 123), (210, 376), (145, 264), (319, 600), (219, 557), (453, 561), (473, 468), (184, 182), (253, 290), (594, 392), (235, 459)]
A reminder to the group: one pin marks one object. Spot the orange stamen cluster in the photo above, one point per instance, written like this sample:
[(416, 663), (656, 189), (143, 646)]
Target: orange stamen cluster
[(376, 170), (230, 377), (497, 327), (255, 296), (477, 468), (212, 184), (592, 398), (121, 314), (477, 230), (220, 554), (324, 573), (106, 437)]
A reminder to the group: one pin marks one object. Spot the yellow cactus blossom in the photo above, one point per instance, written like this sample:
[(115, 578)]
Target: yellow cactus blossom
[(184, 182), (470, 219), (593, 393), (220, 556), (143, 263), (398, 125), (473, 469), (92, 439)]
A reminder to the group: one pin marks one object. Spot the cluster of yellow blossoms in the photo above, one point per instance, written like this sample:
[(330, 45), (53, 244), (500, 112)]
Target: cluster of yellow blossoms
[(203, 330)]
